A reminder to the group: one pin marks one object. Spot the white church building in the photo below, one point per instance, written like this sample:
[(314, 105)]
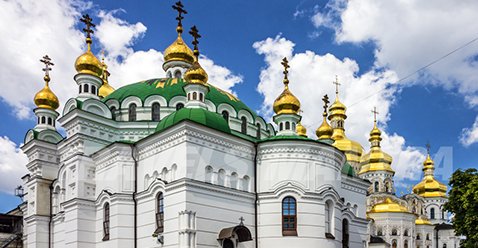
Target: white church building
[(178, 162)]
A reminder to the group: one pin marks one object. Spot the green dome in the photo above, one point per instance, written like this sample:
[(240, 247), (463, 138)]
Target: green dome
[(171, 87), (198, 115), (348, 170)]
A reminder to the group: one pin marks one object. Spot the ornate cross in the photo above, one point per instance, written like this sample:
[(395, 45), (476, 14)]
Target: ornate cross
[(195, 34), (86, 19), (375, 113), (428, 147), (179, 7), (47, 61), (337, 84), (325, 99), (285, 63)]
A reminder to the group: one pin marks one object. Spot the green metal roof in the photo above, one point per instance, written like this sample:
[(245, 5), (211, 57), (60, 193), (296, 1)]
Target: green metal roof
[(348, 170), (198, 115), (171, 87)]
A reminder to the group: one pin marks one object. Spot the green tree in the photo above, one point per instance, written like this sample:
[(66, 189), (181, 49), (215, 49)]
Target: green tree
[(463, 202)]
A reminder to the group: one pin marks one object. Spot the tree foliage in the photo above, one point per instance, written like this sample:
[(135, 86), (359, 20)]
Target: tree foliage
[(463, 203)]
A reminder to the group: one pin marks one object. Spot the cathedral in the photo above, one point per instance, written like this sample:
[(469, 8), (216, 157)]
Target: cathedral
[(179, 162)]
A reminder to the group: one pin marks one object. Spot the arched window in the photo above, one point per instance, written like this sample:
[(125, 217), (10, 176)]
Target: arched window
[(394, 243), (113, 113), (281, 126), (418, 237), (405, 233), (93, 89), (394, 232), (293, 126), (168, 75), (227, 243), (106, 221), (79, 88), (442, 214), (432, 213), (86, 88), (329, 218), (195, 96), (243, 125), (234, 180), (209, 174), (405, 244), (225, 115), (444, 245), (258, 132), (345, 233), (289, 216), (159, 214), (132, 112), (387, 189), (201, 97), (221, 177), (376, 188), (50, 121), (179, 106), (379, 232), (245, 183), (428, 236), (43, 120), (287, 125), (189, 96), (155, 111), (177, 74)]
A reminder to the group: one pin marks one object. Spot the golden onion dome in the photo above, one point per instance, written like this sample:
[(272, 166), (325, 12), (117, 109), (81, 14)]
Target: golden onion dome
[(422, 221), (301, 130), (337, 109), (376, 159), (286, 103), (352, 149), (429, 186), (324, 131), (105, 88), (178, 50), (45, 98), (196, 74), (87, 63), (389, 206)]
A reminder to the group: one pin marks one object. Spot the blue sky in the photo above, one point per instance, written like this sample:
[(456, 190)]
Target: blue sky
[(243, 42)]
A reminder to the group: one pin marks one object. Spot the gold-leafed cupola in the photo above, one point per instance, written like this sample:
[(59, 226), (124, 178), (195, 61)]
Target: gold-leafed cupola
[(429, 186), (88, 63)]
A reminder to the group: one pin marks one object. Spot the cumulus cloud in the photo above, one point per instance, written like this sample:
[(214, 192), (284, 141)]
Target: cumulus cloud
[(311, 76), (12, 165), (411, 34), (470, 135)]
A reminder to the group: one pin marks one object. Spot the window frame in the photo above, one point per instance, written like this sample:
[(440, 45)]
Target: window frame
[(286, 218), (132, 115), (106, 221), (159, 214), (156, 112)]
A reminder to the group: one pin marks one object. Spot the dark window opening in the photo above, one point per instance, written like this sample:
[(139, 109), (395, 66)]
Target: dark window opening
[(93, 89), (345, 233), (258, 132), (113, 113), (85, 88), (179, 106), (225, 115), (432, 213), (243, 125), (155, 110), (106, 221), (287, 125), (132, 112), (159, 214), (49, 121)]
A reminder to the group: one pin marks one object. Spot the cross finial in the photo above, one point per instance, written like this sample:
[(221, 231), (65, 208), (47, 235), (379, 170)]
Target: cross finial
[(428, 147), (326, 101), (337, 84), (285, 64), (86, 19), (242, 221), (47, 61), (195, 34), (375, 113), (179, 7)]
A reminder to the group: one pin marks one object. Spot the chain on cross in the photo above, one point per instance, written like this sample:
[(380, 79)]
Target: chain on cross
[(86, 19), (47, 61), (179, 7)]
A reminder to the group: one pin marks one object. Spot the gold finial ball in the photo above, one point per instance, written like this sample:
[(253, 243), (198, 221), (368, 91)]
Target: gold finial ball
[(45, 98), (196, 74), (301, 130), (87, 63)]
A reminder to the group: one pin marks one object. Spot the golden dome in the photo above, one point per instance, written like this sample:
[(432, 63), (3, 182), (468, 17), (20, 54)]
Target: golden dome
[(352, 149), (87, 63), (178, 50), (389, 206), (337, 109), (429, 186), (376, 159), (45, 98), (325, 131), (286, 103), (196, 74), (301, 130), (422, 221), (106, 88)]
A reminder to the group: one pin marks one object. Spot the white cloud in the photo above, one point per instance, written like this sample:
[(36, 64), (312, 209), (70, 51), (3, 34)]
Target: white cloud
[(410, 34), (220, 76), (12, 165), (470, 135), (311, 77)]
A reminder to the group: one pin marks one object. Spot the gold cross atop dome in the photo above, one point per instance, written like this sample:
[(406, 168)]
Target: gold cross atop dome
[(86, 19), (88, 63), (196, 74), (194, 32), (375, 113), (326, 101), (285, 63), (179, 7), (337, 84), (47, 61), (45, 98)]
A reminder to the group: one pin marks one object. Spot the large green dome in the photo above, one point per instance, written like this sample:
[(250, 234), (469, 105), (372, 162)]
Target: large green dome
[(198, 115), (171, 87)]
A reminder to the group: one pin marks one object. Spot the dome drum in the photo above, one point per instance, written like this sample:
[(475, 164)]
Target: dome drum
[(88, 86), (286, 123)]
